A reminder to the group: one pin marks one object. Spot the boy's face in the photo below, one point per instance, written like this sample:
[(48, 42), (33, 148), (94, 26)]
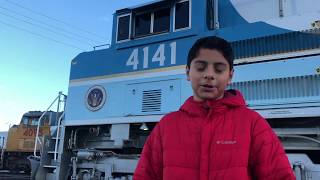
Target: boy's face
[(209, 74)]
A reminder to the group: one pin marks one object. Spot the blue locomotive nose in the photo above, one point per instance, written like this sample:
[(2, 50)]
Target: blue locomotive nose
[(117, 94)]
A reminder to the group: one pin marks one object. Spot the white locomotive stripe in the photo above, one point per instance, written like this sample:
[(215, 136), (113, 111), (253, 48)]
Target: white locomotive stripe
[(175, 70)]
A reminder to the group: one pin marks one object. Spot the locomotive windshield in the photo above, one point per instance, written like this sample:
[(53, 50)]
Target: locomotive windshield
[(141, 22)]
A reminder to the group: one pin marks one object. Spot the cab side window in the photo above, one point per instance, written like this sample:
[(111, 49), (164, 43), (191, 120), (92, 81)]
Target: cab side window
[(161, 21), (150, 23), (34, 122), (25, 120), (147, 21), (123, 27), (182, 15), (142, 24)]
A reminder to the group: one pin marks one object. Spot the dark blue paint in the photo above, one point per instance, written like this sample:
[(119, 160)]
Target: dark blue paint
[(233, 28)]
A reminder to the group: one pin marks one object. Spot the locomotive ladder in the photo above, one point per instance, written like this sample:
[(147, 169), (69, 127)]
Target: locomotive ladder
[(61, 98), (2, 151)]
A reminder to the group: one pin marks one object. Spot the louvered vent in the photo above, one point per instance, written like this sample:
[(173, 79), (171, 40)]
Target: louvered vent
[(151, 100), (290, 87), (279, 43)]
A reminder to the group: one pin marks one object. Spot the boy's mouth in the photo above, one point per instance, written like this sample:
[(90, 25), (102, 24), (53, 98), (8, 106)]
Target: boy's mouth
[(207, 86)]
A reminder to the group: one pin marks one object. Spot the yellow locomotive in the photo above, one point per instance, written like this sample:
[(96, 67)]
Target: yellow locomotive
[(21, 139)]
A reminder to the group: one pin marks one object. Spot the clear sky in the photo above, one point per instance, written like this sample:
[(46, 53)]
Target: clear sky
[(38, 39)]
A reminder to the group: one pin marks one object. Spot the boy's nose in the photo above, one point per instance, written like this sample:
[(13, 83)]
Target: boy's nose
[(209, 74)]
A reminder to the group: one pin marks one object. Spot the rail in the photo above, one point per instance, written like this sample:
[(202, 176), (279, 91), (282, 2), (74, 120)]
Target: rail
[(2, 151), (95, 47), (37, 139), (57, 137)]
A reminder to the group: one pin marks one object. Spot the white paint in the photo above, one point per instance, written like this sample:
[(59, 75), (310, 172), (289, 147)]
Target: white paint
[(298, 14), (173, 47), (159, 56), (133, 59), (290, 112), (180, 70), (128, 27), (145, 57), (114, 120)]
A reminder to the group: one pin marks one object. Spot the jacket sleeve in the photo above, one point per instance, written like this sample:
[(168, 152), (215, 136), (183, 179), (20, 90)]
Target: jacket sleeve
[(268, 160), (150, 164)]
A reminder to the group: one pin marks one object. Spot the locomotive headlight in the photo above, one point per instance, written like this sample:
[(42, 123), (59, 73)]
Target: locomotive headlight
[(144, 127), (95, 98), (318, 70)]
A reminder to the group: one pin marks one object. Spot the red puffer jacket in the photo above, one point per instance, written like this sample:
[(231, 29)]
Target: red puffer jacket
[(213, 140)]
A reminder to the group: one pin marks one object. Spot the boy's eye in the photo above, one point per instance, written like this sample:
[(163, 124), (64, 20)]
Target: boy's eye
[(200, 66), (219, 68)]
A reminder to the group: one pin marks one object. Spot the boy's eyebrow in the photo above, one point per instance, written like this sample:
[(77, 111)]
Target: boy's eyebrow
[(205, 62), (220, 63), (201, 61)]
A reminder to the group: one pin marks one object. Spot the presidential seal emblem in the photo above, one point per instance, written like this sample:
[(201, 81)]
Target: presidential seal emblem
[(95, 98)]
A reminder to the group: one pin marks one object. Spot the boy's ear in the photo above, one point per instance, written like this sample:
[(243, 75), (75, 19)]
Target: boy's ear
[(187, 73), (230, 76)]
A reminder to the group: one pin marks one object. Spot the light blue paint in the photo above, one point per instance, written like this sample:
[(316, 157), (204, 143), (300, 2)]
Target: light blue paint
[(277, 69), (76, 104), (120, 100)]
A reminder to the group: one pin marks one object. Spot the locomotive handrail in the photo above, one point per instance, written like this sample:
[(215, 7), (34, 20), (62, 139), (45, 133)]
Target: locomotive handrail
[(57, 137), (95, 47), (2, 152), (37, 139)]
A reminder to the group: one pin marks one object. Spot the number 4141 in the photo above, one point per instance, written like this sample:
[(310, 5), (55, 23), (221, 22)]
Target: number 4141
[(159, 56)]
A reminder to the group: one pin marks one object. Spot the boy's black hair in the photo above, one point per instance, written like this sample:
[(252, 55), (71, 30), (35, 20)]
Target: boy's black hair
[(214, 43)]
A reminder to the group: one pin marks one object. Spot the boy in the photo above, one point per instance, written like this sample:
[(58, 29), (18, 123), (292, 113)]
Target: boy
[(213, 136)]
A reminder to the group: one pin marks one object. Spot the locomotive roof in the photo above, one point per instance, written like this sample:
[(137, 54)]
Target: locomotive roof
[(145, 6), (35, 113)]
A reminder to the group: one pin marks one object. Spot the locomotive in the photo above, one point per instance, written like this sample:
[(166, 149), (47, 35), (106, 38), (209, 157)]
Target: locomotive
[(118, 94), (21, 139)]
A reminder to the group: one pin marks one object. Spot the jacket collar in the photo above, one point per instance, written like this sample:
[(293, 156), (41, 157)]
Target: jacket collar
[(231, 99)]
